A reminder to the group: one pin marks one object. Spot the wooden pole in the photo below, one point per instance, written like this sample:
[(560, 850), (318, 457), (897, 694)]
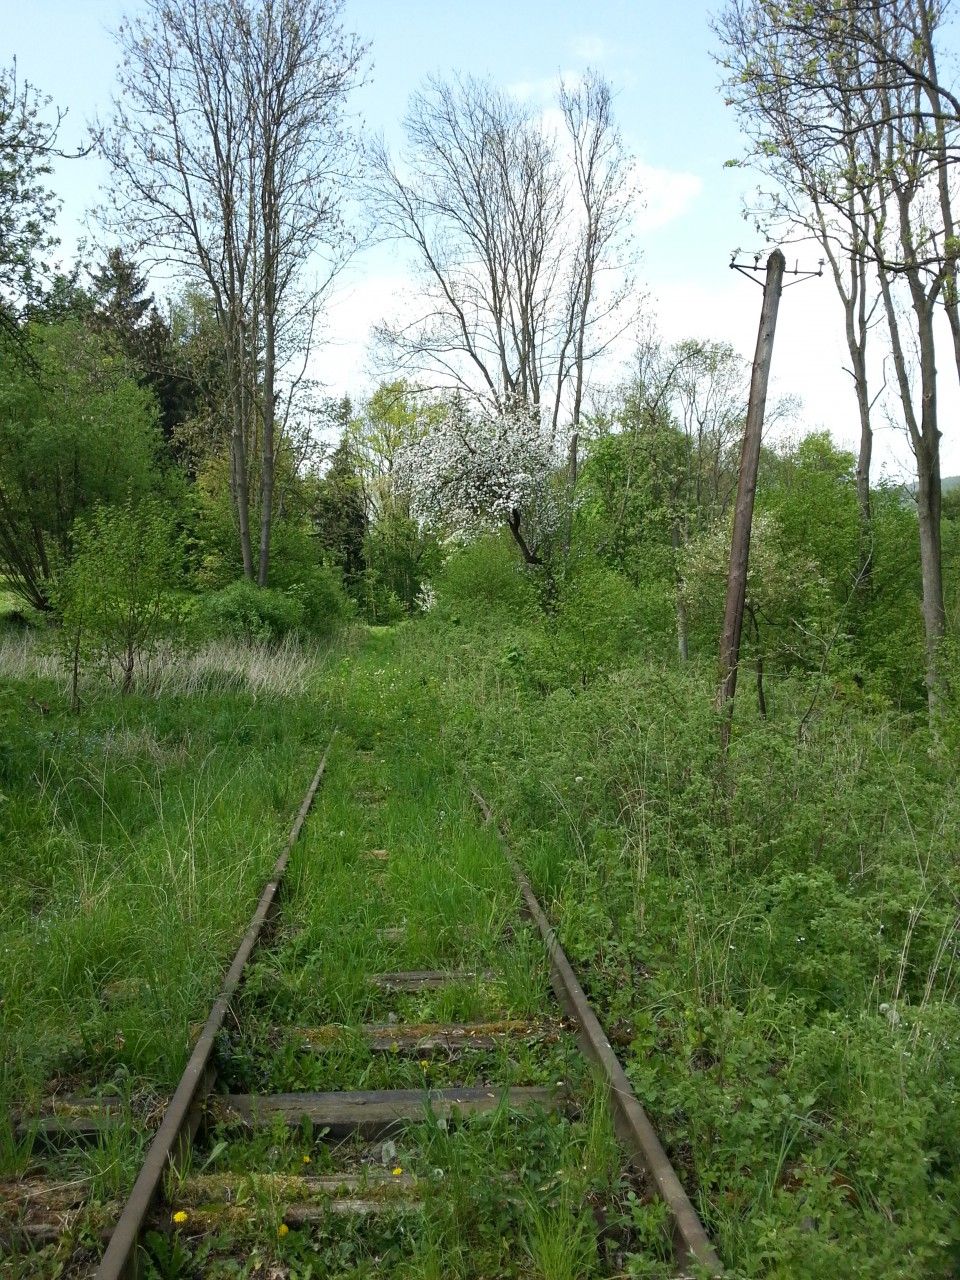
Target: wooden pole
[(746, 491)]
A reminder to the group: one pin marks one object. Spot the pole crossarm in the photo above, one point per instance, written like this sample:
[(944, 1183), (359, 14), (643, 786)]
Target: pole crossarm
[(753, 271)]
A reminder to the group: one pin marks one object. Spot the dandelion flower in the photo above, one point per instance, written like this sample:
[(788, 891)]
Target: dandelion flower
[(180, 1217), (424, 1063), (306, 1159), (283, 1230), (397, 1171)]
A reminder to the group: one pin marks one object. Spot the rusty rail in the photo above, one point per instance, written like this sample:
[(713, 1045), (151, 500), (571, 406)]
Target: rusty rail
[(632, 1124), (184, 1111)]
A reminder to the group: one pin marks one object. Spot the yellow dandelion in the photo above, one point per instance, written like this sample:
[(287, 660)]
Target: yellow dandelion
[(306, 1159), (424, 1063), (180, 1217), (397, 1171), (283, 1230)]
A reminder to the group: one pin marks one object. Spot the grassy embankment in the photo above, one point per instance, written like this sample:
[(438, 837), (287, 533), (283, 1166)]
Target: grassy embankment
[(776, 936)]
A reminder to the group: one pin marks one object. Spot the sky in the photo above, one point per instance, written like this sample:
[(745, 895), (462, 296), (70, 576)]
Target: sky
[(656, 55)]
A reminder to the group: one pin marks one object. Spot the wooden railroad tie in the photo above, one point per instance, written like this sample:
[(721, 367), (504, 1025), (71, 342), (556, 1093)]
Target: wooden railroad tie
[(396, 1037), (429, 979), (371, 1113)]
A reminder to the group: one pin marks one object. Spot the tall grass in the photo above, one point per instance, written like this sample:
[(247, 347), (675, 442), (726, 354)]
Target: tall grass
[(286, 670), (137, 837)]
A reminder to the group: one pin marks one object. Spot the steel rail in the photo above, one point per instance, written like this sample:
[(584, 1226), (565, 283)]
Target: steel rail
[(631, 1123), (184, 1111)]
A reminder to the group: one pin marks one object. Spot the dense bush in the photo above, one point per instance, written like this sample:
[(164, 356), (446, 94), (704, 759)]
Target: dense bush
[(485, 579), (775, 935), (75, 431), (314, 606), (321, 597), (245, 612)]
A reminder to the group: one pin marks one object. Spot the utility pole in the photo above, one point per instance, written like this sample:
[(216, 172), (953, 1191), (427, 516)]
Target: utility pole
[(746, 491)]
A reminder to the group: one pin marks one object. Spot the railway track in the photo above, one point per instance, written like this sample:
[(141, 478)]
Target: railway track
[(456, 1046)]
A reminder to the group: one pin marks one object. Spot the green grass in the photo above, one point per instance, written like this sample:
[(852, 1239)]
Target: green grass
[(160, 818), (773, 943), (137, 837), (775, 940)]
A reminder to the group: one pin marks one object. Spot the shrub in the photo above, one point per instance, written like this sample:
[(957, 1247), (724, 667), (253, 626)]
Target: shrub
[(115, 596), (485, 579), (258, 615), (323, 600)]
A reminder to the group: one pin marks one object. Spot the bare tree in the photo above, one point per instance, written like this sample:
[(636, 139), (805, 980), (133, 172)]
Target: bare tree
[(526, 259), (230, 152)]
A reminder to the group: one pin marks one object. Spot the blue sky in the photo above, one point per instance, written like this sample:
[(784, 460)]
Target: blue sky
[(656, 55)]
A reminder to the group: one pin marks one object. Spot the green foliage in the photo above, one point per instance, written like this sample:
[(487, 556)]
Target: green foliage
[(115, 595), (485, 580), (774, 935), (245, 612), (76, 433), (400, 557), (324, 602), (599, 622), (789, 614), (314, 604), (339, 515), (628, 495)]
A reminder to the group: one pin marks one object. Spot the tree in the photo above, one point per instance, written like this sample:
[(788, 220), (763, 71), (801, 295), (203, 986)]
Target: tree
[(665, 468), (824, 191), (114, 596), (514, 229), (474, 471), (397, 415), (27, 206), (876, 65), (230, 155), (338, 513), (124, 311), (75, 431), (399, 552)]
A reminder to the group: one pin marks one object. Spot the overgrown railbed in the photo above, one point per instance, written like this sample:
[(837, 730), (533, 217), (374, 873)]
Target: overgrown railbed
[(775, 936), (772, 940)]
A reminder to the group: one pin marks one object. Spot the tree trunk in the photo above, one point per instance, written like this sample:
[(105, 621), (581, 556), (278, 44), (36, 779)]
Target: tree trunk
[(268, 455), (746, 492), (239, 480), (925, 441), (683, 642), (572, 461), (931, 568), (513, 523)]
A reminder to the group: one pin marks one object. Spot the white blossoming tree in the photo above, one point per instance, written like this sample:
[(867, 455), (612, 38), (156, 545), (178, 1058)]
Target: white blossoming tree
[(476, 471)]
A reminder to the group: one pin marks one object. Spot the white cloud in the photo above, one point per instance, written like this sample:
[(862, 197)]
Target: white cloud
[(590, 48), (667, 194), (544, 90), (341, 360)]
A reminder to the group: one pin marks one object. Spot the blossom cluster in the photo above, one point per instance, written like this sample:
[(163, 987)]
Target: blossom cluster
[(475, 470)]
